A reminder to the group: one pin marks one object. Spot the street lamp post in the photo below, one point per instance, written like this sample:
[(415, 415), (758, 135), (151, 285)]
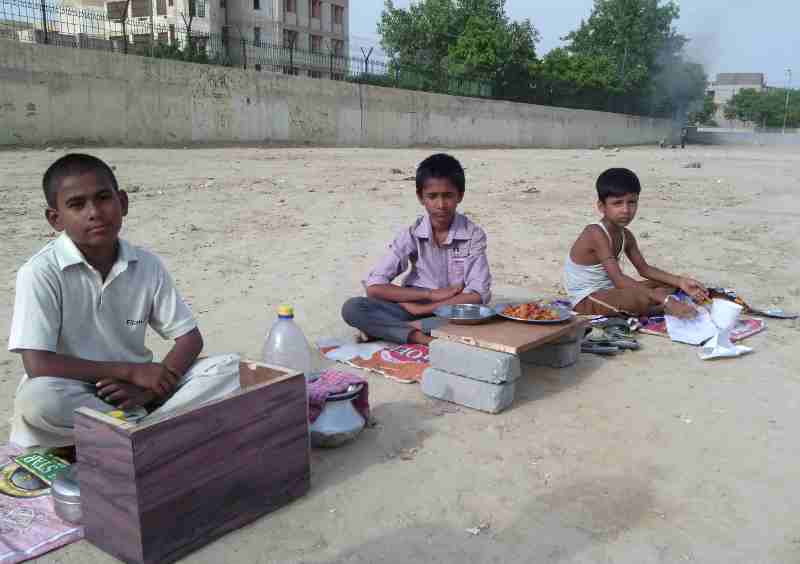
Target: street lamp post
[(788, 93)]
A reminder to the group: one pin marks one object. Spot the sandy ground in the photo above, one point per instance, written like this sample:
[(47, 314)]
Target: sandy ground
[(650, 457)]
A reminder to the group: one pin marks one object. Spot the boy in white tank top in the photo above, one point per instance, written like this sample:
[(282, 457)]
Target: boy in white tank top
[(592, 275)]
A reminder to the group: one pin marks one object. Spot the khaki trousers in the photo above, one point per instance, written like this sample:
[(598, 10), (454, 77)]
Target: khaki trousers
[(44, 406)]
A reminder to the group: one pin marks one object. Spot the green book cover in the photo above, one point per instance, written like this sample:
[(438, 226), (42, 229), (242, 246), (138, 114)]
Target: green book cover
[(45, 466)]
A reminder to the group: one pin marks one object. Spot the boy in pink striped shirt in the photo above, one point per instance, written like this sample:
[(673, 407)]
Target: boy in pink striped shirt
[(447, 255)]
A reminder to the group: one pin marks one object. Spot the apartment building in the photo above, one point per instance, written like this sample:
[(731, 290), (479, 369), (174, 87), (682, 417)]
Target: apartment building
[(161, 20), (311, 35), (727, 85), (299, 37)]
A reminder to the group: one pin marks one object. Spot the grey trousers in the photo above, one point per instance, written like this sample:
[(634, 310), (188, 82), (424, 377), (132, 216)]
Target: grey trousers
[(44, 406), (387, 321)]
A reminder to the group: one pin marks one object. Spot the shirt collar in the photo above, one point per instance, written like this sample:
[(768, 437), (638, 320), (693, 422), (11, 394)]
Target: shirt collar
[(68, 254), (458, 229)]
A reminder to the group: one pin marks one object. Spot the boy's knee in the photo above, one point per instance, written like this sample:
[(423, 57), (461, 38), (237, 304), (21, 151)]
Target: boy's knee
[(642, 303), (353, 310), (38, 403)]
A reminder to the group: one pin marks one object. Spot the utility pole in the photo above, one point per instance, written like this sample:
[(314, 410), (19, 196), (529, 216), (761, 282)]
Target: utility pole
[(788, 93), (44, 22)]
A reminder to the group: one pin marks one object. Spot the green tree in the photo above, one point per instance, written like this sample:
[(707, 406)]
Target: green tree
[(447, 39), (765, 108), (575, 80), (635, 43), (503, 52), (419, 37), (632, 34)]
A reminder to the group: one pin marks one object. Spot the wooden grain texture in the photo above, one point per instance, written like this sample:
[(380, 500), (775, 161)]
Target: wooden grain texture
[(109, 499), (192, 477), (512, 337)]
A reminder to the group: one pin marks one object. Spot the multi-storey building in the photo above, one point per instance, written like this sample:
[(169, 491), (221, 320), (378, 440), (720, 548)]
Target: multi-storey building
[(311, 35), (301, 37), (727, 85)]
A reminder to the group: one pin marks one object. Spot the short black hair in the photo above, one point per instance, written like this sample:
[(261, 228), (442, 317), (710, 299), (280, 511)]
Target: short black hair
[(72, 164), (616, 182), (441, 166)]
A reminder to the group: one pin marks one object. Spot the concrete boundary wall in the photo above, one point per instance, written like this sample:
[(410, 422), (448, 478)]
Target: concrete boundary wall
[(53, 95), (752, 138)]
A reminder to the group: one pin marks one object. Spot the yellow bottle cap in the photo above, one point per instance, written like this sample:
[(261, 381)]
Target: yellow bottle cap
[(286, 311), (117, 414)]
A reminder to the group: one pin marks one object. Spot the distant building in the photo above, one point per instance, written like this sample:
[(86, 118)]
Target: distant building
[(727, 85), (314, 31), (301, 37)]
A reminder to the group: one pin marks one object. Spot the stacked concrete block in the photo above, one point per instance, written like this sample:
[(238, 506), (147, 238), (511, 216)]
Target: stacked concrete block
[(558, 354), (492, 398), (470, 376)]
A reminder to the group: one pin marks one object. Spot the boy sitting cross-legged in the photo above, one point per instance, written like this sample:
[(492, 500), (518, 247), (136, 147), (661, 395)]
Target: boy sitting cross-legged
[(446, 253), (82, 306), (592, 275)]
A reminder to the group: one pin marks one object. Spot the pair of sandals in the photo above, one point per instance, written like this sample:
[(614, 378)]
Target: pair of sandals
[(612, 336)]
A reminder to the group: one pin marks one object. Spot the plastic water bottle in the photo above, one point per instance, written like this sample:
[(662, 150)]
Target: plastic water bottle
[(285, 345)]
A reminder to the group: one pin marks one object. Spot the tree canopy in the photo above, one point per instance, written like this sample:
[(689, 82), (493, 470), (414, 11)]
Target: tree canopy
[(463, 38), (626, 56), (765, 108)]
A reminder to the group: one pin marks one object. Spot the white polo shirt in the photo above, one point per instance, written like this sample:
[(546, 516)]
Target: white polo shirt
[(62, 304)]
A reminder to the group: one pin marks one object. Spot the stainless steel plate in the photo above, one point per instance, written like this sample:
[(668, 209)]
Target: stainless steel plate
[(564, 314), (465, 314)]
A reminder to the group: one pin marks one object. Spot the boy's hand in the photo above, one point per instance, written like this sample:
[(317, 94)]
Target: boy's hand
[(442, 294), (679, 309), (123, 394), (415, 308), (695, 289), (154, 377)]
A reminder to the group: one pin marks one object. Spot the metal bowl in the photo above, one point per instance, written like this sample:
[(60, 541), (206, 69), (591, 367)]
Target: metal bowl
[(67, 496), (465, 314)]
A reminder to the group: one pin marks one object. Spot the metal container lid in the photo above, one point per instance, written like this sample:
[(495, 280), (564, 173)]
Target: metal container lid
[(66, 486), (352, 391)]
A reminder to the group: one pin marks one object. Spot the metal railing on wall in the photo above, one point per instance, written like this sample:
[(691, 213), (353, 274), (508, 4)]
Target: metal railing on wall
[(46, 22)]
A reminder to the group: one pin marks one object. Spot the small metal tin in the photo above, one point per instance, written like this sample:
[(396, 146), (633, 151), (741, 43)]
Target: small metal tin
[(67, 496)]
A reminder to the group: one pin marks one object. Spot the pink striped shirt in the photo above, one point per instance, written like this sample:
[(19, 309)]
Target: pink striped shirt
[(461, 259)]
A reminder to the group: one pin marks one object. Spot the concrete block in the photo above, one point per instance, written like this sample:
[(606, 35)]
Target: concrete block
[(492, 398), (556, 355), (473, 362), (576, 335)]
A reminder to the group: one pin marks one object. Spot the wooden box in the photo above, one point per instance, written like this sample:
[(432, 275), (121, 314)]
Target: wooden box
[(155, 492)]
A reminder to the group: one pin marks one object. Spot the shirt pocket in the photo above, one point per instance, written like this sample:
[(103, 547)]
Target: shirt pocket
[(457, 270)]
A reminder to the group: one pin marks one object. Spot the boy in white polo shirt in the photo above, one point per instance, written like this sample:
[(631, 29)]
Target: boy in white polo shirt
[(82, 307)]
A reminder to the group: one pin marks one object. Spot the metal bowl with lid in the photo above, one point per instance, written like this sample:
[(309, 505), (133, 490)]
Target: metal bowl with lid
[(67, 495)]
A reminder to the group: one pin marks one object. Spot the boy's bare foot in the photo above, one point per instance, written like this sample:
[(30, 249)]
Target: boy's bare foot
[(419, 338), (362, 337)]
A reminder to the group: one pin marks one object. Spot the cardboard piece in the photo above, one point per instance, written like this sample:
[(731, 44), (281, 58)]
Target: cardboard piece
[(512, 337)]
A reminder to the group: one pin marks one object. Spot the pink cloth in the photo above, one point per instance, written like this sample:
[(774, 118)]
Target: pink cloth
[(333, 382), (462, 259), (29, 527)]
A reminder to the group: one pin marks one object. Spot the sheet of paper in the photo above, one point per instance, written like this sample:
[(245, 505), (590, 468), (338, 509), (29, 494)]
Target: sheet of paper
[(714, 349), (691, 331), (363, 351)]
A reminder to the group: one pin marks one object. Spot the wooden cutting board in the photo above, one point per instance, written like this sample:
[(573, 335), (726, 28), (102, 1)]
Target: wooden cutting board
[(512, 337)]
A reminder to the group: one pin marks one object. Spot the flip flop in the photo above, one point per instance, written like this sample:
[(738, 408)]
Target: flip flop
[(774, 313), (590, 348)]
